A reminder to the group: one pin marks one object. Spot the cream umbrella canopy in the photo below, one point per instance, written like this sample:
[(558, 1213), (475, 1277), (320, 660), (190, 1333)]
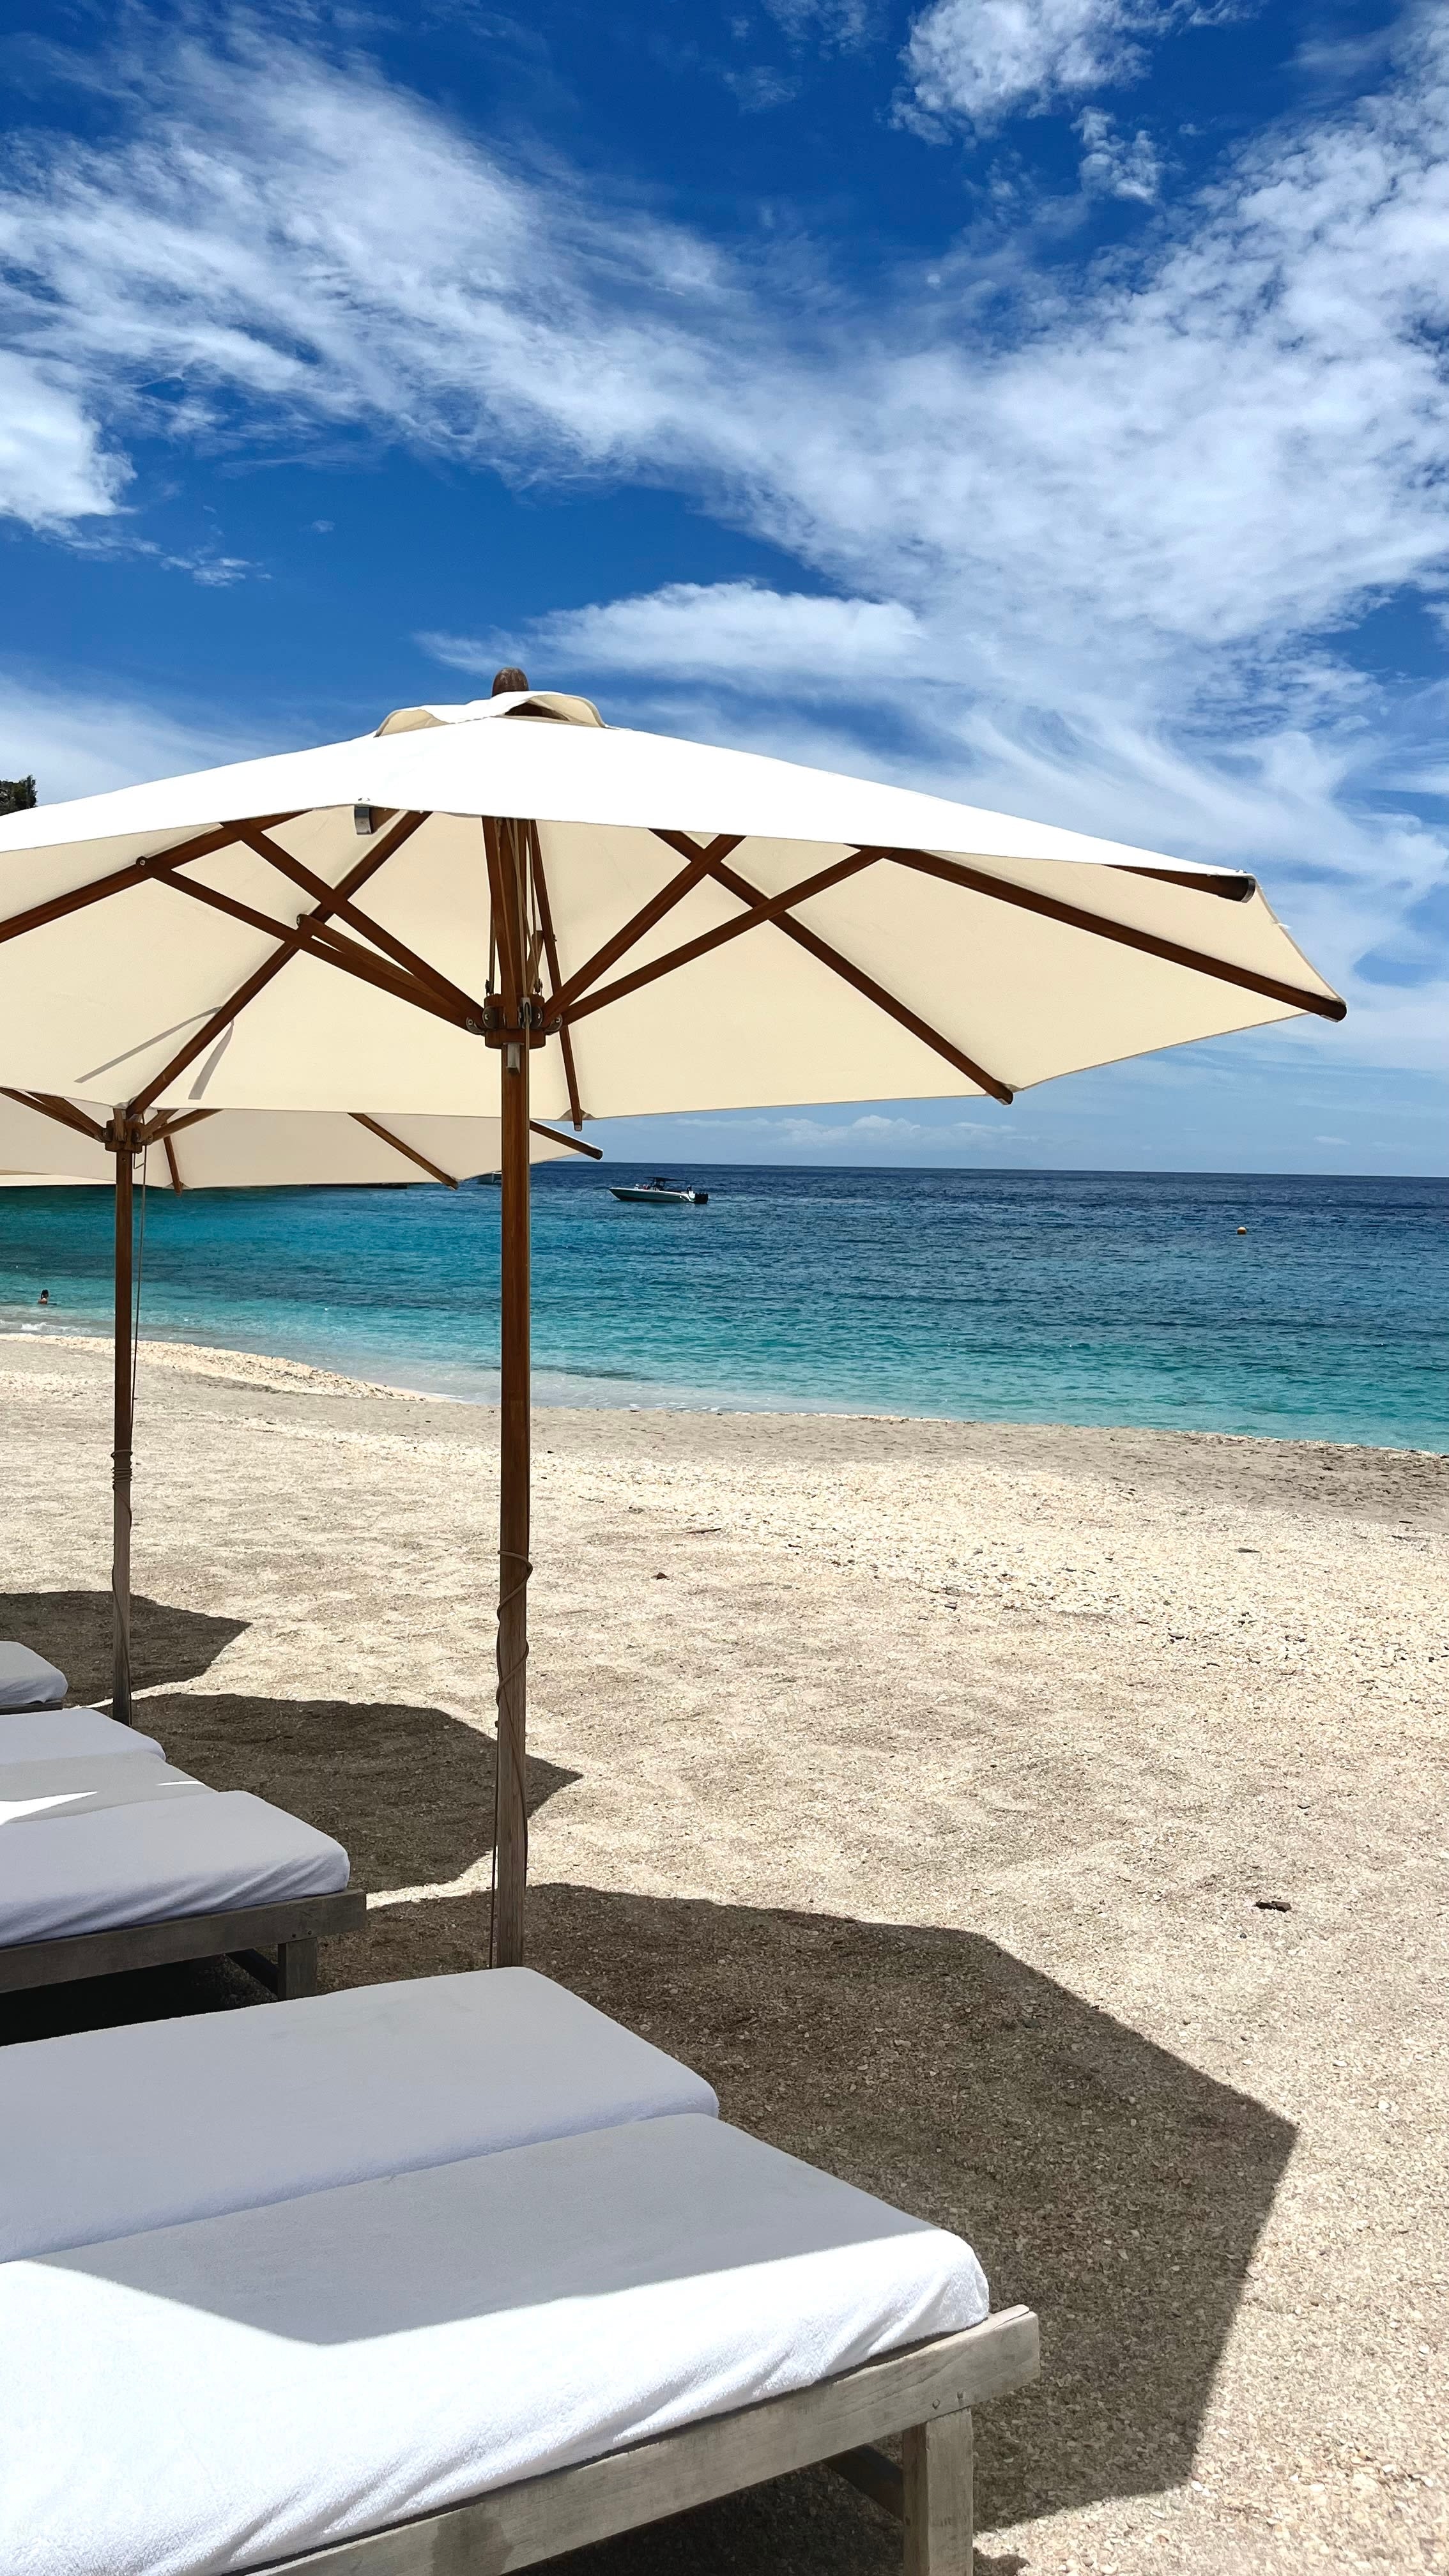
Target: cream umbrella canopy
[(514, 877), (71, 1142)]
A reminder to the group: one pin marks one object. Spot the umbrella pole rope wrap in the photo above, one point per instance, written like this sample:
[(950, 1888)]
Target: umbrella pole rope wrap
[(140, 1270)]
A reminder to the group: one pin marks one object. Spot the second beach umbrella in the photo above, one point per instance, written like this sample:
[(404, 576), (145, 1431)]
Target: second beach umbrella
[(74, 1141), (514, 878)]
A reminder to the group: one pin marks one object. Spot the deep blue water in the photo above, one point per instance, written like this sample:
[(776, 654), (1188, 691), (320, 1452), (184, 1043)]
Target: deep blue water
[(1029, 1296)]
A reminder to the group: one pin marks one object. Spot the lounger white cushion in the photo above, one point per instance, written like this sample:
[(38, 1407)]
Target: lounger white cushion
[(108, 2131), (57, 1734), (239, 2389), (26, 1679), (199, 1854), (51, 1792)]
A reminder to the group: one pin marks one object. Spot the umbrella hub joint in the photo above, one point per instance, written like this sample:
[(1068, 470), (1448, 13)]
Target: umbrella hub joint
[(500, 1031), (125, 1135)]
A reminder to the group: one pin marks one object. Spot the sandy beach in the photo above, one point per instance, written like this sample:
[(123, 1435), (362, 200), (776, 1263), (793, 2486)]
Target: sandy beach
[(922, 1784)]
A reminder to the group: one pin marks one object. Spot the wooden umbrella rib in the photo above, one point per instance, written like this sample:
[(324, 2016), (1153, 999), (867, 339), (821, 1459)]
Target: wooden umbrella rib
[(48, 1104), (575, 1144), (1228, 889), (171, 1163), (211, 1029), (550, 954), (334, 950), (410, 1153), (700, 863), (169, 1122), (228, 903), (500, 859), (138, 872), (1050, 907), (330, 945), (769, 908), (719, 848), (257, 981), (855, 976), (58, 905), (397, 949)]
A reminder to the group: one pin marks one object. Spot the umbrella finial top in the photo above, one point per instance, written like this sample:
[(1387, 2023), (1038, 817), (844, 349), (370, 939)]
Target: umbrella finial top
[(505, 682)]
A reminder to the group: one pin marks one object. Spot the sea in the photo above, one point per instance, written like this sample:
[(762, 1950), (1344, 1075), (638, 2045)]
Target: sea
[(1293, 1308)]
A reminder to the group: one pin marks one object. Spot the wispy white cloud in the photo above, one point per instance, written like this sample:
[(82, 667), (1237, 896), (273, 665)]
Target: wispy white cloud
[(837, 23), (1238, 443), (971, 62), (870, 1137), (81, 739), (54, 468), (760, 87), (1116, 165), (737, 632)]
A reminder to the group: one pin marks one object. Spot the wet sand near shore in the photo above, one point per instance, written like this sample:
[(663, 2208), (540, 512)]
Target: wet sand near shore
[(923, 1784)]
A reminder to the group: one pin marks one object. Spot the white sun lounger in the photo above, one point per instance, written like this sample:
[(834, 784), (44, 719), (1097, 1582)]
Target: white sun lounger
[(110, 2131), (59, 1734), (483, 2365), (117, 1864), (26, 1679)]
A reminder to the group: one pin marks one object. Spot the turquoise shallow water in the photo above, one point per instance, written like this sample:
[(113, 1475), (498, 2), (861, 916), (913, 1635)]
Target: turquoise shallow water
[(1029, 1296)]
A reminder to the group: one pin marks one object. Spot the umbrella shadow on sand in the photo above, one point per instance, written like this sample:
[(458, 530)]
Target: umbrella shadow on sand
[(1103, 2181), (73, 1631), (407, 1791)]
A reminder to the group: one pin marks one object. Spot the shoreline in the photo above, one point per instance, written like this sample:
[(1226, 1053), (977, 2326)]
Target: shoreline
[(263, 1371)]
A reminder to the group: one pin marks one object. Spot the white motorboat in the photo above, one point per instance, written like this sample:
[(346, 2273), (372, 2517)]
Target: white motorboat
[(661, 1193)]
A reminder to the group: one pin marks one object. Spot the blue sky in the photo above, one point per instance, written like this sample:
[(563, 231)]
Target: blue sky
[(1041, 401)]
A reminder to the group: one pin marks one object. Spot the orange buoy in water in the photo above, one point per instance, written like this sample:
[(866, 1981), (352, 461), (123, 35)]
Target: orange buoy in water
[(1242, 1229)]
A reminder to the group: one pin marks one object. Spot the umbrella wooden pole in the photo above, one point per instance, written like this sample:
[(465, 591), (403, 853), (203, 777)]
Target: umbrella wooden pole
[(511, 1847), (121, 1451)]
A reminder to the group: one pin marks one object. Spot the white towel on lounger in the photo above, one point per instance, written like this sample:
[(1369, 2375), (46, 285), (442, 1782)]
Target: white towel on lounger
[(62, 1734), (222, 2111), (53, 1792), (215, 2396), (26, 1679), (143, 1864)]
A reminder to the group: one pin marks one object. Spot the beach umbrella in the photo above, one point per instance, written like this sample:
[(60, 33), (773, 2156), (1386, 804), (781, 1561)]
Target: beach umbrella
[(71, 1142), (627, 922)]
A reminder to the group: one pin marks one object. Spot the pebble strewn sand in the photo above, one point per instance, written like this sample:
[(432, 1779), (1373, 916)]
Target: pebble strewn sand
[(919, 1782)]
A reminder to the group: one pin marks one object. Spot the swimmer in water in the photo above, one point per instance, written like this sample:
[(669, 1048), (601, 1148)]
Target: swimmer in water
[(44, 1298)]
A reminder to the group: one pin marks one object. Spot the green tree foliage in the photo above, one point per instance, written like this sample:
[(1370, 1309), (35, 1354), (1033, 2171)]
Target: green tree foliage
[(16, 794)]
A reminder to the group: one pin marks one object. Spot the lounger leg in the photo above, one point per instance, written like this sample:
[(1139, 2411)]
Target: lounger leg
[(296, 1969), (936, 2466)]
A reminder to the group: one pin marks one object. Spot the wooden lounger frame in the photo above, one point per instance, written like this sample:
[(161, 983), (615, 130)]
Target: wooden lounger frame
[(292, 1929), (925, 2394)]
